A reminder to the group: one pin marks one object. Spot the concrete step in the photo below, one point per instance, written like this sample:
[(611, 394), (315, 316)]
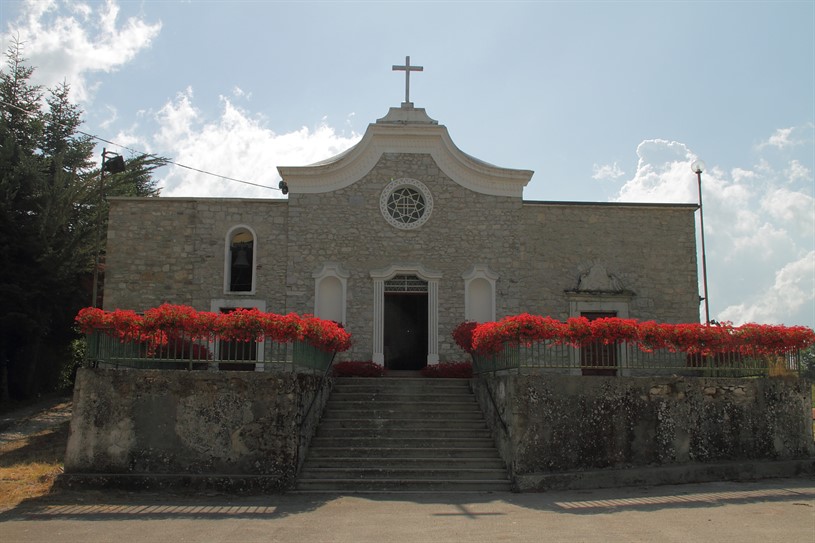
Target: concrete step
[(401, 382), (450, 474), (403, 452), (461, 396), (375, 412), (419, 424), (402, 435), (401, 485), (468, 404), (402, 442), (493, 462), (396, 431)]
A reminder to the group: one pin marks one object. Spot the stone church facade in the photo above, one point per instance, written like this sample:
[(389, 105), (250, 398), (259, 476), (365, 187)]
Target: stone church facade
[(401, 238)]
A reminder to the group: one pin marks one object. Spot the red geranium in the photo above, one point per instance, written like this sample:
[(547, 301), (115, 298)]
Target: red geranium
[(692, 338), (169, 323)]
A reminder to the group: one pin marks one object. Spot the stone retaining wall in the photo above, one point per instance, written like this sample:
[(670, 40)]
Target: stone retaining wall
[(154, 425), (558, 424)]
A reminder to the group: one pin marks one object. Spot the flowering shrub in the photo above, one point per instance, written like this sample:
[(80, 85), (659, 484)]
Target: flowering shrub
[(463, 335), (460, 370), (358, 368), (692, 338), (167, 322)]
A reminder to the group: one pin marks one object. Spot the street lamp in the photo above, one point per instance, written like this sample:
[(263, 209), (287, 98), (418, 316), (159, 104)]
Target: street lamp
[(111, 163), (698, 167)]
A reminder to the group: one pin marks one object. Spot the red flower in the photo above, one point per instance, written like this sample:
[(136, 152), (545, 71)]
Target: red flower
[(167, 325), (692, 338)]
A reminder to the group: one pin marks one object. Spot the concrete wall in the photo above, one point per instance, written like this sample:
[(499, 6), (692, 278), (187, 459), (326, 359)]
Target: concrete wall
[(153, 424), (562, 423)]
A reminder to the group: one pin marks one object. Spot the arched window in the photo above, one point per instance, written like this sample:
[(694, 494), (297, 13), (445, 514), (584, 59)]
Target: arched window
[(240, 260)]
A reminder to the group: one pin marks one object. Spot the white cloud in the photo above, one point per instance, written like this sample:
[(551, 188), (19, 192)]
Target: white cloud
[(780, 139), (68, 41), (759, 222), (607, 171), (663, 174), (789, 206), (787, 301), (798, 172), (234, 145)]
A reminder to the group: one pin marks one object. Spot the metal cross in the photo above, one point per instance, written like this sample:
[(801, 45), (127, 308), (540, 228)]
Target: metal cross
[(407, 68)]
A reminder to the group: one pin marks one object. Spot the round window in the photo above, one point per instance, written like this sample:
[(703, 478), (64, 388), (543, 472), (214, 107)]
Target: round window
[(406, 203)]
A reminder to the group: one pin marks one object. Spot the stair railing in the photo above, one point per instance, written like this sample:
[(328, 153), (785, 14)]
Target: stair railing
[(301, 442), (495, 407)]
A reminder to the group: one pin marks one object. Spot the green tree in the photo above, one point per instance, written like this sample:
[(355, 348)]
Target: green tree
[(52, 218)]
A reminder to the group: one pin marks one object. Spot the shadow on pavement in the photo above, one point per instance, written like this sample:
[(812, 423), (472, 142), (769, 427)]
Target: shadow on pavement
[(95, 505)]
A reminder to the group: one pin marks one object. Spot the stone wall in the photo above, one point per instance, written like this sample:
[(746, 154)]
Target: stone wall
[(649, 249), (560, 424), (172, 250), (346, 226), (156, 425)]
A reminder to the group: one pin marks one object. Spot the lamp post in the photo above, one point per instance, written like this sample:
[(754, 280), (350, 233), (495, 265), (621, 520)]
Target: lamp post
[(112, 163), (698, 167)]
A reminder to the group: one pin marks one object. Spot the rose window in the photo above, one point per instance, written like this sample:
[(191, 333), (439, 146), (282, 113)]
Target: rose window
[(406, 203)]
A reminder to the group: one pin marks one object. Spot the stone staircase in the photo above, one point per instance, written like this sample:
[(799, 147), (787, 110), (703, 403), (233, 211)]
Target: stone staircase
[(402, 435)]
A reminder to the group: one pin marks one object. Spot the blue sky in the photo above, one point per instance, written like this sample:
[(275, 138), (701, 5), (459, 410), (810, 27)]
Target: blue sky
[(603, 100)]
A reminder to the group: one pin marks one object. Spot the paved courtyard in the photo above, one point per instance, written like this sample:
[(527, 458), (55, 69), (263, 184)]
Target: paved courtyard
[(764, 511)]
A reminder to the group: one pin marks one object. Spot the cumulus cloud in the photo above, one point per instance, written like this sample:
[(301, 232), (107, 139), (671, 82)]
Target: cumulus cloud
[(663, 174), (789, 300), (759, 225), (795, 207), (607, 171), (68, 41), (798, 172), (780, 139), (234, 145)]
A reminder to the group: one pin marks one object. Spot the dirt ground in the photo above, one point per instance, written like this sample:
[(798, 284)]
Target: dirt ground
[(32, 448)]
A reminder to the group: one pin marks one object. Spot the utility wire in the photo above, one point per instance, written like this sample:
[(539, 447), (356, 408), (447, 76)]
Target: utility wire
[(168, 161)]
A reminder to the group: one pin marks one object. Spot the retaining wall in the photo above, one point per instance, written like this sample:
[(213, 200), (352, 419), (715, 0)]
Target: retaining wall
[(559, 424), (239, 430)]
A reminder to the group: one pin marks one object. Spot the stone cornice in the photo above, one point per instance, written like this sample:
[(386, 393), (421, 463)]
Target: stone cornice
[(419, 138)]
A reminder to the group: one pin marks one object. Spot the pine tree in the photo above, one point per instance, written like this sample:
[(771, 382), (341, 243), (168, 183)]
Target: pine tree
[(52, 221)]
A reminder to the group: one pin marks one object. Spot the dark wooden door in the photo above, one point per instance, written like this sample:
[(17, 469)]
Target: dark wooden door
[(405, 331)]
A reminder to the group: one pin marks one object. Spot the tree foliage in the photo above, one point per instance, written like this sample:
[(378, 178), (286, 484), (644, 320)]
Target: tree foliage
[(52, 221)]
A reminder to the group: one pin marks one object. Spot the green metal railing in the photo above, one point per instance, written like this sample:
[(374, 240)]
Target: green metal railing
[(628, 359), (212, 354)]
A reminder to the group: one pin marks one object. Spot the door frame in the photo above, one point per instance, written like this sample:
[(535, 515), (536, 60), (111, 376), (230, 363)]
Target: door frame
[(432, 278), (395, 304)]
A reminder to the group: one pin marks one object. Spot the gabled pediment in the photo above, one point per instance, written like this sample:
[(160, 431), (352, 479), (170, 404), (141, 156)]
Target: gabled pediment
[(405, 130)]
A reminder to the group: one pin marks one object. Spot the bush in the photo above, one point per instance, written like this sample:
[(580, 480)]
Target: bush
[(455, 370), (358, 368)]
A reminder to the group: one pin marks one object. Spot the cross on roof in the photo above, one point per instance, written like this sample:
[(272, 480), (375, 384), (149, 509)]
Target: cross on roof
[(407, 68)]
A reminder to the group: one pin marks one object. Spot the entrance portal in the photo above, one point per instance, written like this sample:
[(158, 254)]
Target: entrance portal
[(405, 330)]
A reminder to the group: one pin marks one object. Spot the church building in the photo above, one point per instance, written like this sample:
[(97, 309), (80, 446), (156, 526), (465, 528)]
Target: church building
[(401, 238)]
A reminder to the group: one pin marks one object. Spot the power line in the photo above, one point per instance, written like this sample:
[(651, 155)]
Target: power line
[(168, 161)]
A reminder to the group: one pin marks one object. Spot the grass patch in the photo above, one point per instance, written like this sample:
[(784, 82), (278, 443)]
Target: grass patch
[(29, 466)]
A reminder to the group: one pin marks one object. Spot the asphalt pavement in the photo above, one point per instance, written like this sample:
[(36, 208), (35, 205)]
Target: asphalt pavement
[(765, 511)]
